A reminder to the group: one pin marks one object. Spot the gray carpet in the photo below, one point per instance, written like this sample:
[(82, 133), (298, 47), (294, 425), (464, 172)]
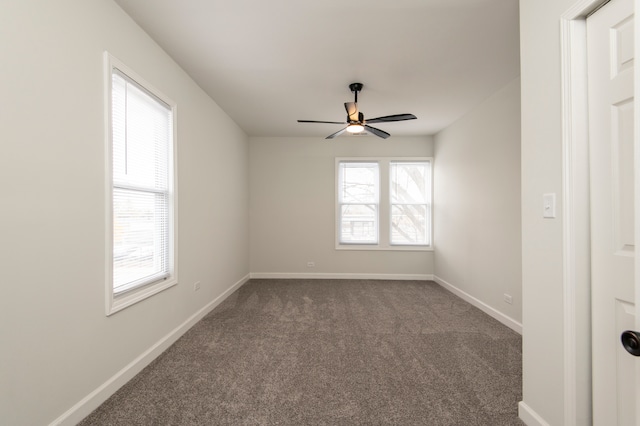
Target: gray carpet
[(330, 352)]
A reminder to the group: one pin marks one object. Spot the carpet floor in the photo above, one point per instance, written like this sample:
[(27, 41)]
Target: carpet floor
[(330, 352)]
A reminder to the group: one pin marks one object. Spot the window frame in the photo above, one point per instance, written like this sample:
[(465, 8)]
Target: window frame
[(384, 206), (117, 301)]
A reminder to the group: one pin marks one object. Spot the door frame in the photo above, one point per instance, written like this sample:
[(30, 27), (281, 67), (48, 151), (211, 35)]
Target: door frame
[(576, 207)]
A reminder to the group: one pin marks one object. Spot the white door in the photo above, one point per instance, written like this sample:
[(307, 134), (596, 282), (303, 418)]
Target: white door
[(616, 373)]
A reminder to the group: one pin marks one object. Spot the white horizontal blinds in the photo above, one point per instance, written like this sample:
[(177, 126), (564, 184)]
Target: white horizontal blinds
[(141, 139), (410, 196), (358, 200)]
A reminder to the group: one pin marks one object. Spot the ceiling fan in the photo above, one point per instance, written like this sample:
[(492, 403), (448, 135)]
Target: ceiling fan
[(355, 119)]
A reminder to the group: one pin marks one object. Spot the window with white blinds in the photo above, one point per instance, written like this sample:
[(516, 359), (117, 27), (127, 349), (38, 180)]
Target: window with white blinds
[(141, 147)]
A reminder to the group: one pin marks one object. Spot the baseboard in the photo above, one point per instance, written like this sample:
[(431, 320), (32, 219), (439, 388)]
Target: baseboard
[(504, 319), (530, 417), (340, 276), (92, 401)]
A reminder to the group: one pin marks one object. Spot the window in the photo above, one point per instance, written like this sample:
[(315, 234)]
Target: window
[(395, 216), (141, 196), (358, 196), (410, 195)]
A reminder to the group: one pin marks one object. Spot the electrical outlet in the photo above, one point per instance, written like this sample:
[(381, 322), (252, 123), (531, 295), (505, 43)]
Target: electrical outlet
[(311, 264), (508, 299), (196, 286)]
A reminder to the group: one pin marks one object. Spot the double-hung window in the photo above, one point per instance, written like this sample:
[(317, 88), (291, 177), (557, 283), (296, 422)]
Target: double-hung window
[(358, 201), (410, 196), (141, 147), (383, 203)]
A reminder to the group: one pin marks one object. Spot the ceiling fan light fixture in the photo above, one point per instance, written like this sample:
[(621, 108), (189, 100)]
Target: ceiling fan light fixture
[(355, 128)]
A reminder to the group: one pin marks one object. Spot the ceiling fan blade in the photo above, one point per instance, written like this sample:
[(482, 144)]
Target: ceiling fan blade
[(377, 132), (338, 133), (388, 118), (327, 122), (352, 110)]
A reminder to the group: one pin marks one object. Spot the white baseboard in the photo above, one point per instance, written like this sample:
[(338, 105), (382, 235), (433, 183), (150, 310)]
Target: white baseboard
[(340, 276), (530, 417), (92, 401), (504, 319)]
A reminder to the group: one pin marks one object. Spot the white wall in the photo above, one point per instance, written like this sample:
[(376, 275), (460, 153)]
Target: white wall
[(292, 183), (477, 203), (542, 271), (57, 345)]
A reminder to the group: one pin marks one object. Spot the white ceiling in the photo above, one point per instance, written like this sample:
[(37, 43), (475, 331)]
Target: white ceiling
[(269, 63)]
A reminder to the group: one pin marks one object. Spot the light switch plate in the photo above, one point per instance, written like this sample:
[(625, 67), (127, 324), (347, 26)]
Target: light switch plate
[(549, 206)]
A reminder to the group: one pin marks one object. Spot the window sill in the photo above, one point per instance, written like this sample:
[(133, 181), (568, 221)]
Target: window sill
[(375, 247), (126, 299)]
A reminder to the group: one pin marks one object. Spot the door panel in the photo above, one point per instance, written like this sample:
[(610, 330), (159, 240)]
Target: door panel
[(610, 44)]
